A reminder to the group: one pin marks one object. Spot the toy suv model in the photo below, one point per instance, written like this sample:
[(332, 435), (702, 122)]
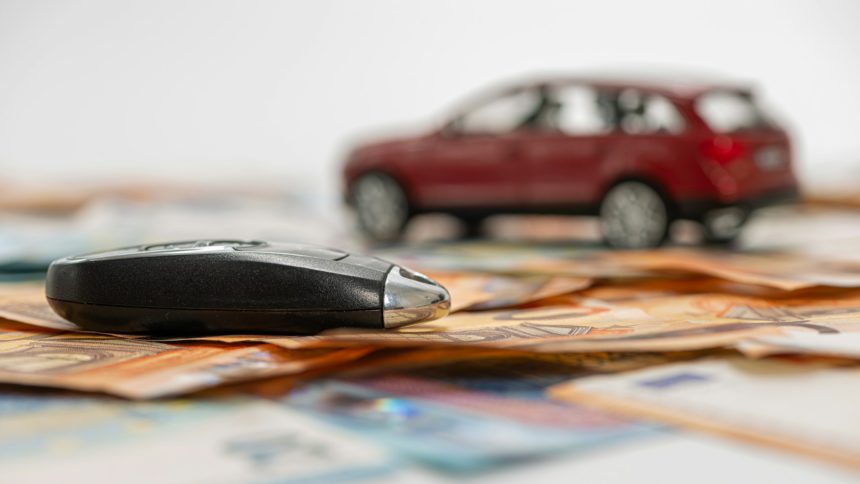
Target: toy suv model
[(639, 155)]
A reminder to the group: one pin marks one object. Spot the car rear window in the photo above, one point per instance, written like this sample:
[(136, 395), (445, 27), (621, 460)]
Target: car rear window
[(732, 112)]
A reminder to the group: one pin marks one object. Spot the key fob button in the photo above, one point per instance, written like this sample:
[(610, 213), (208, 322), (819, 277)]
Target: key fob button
[(170, 246), (193, 244), (299, 250)]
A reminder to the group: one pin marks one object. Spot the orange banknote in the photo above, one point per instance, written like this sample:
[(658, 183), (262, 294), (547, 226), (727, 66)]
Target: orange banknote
[(135, 368)]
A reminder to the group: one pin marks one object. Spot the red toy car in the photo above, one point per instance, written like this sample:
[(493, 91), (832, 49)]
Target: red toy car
[(637, 154)]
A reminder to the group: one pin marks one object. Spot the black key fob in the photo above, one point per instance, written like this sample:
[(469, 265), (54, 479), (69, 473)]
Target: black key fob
[(227, 286)]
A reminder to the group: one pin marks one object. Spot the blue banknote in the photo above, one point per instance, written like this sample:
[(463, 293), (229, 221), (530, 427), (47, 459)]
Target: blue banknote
[(47, 438), (457, 429)]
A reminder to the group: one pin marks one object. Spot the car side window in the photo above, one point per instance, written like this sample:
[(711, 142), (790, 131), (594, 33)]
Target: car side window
[(646, 113), (506, 113), (582, 112)]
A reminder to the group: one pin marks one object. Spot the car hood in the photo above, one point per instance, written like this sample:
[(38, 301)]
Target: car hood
[(384, 147)]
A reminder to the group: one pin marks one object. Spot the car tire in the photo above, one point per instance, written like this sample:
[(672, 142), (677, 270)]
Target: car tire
[(633, 215), (724, 226), (381, 206)]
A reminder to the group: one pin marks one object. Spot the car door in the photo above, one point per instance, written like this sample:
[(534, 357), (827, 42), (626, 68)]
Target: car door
[(647, 143), (562, 158), (472, 163)]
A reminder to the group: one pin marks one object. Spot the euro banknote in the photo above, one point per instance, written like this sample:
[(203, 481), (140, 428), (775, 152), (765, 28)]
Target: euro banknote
[(655, 321), (521, 375), (51, 437), (787, 270), (458, 430), (482, 291), (837, 345), (782, 270), (806, 406), (141, 369)]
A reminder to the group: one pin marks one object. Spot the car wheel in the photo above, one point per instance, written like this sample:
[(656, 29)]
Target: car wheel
[(723, 226), (381, 206), (634, 216)]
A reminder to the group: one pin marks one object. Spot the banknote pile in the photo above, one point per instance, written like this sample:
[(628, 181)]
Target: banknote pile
[(550, 349)]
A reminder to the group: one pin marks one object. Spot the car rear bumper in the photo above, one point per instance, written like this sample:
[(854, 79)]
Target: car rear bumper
[(697, 208)]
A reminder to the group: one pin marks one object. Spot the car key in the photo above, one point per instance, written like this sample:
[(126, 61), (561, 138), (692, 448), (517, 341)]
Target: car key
[(230, 286)]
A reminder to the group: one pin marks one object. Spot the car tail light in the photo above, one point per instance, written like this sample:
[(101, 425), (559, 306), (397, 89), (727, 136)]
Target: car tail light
[(723, 149)]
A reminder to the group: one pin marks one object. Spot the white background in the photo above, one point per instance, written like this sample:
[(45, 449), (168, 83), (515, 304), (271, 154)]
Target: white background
[(218, 90)]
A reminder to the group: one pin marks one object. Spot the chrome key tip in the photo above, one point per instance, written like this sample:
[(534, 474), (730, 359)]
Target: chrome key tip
[(411, 297)]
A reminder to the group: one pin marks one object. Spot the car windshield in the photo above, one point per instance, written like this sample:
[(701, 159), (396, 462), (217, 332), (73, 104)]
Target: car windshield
[(732, 112)]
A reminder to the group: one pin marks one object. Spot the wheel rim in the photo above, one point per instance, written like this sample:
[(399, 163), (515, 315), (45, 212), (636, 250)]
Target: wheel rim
[(381, 206), (633, 216)]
